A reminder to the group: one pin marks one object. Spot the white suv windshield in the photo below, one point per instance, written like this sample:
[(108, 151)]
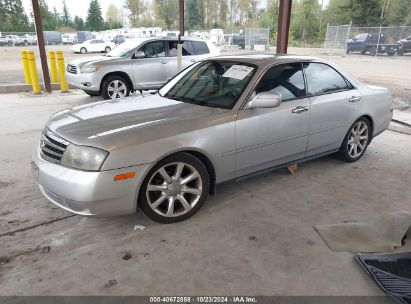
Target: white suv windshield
[(123, 50)]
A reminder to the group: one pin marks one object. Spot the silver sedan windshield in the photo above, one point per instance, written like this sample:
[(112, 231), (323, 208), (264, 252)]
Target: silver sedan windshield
[(214, 83)]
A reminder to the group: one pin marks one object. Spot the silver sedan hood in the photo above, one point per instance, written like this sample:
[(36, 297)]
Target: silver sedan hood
[(117, 123)]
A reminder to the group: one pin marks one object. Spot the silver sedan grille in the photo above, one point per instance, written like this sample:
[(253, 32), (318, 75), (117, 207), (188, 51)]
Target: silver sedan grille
[(52, 146)]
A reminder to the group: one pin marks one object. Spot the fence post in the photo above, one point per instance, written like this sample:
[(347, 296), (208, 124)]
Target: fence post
[(378, 41), (348, 35), (336, 36)]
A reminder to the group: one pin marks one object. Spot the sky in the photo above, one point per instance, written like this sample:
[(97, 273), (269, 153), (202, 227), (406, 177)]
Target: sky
[(80, 7)]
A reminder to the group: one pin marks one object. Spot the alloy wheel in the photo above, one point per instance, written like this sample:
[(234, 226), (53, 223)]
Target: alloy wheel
[(117, 89), (358, 139), (174, 189)]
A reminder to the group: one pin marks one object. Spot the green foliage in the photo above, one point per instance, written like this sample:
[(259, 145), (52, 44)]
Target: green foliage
[(65, 16), (48, 18), (79, 23), (12, 16), (94, 21), (167, 11)]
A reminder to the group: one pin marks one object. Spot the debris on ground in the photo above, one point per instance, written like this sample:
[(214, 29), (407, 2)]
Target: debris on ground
[(110, 283), (253, 238), (383, 234), (311, 242), (127, 256), (292, 168), (139, 227), (4, 260), (44, 249), (391, 273)]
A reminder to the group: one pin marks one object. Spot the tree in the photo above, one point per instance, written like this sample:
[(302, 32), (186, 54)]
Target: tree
[(113, 19), (166, 10), (305, 18), (79, 23), (396, 12), (94, 21), (12, 16), (223, 11), (48, 18), (135, 9), (65, 17), (192, 14)]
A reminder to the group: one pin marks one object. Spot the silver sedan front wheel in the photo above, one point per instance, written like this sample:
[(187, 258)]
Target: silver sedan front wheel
[(358, 139), (174, 189)]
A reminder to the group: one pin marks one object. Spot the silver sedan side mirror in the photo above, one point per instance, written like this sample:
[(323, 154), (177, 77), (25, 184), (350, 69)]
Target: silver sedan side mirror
[(139, 54), (265, 100)]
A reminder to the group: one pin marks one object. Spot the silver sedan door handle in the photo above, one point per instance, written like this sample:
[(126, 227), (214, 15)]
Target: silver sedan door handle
[(164, 61), (299, 110), (354, 98)]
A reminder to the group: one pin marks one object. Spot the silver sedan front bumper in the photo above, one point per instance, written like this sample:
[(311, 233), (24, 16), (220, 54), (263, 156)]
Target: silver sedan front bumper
[(88, 193)]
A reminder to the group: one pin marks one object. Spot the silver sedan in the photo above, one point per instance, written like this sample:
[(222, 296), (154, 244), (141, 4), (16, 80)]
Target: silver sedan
[(218, 120)]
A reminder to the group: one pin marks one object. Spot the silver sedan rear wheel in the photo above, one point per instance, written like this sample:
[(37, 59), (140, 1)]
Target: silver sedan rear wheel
[(174, 189), (358, 139), (117, 89)]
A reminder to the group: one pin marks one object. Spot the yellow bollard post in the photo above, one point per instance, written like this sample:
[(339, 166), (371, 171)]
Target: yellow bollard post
[(33, 72), (26, 70), (53, 67), (62, 71)]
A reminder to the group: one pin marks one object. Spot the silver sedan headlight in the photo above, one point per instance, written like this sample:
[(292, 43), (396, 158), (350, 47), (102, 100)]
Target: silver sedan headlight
[(83, 157)]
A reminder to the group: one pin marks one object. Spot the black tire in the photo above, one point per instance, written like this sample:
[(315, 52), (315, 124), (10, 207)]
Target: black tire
[(347, 51), (205, 179), (91, 93), (373, 51), (107, 49), (83, 50), (400, 52), (10, 43), (343, 154), (105, 86), (363, 51), (391, 53)]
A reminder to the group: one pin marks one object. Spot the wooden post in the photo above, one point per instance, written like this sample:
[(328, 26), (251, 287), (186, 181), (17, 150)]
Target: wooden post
[(42, 48)]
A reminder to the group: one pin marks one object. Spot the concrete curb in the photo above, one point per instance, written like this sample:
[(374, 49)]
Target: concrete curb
[(18, 88)]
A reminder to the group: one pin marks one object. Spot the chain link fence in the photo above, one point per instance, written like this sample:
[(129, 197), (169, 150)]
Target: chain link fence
[(375, 41)]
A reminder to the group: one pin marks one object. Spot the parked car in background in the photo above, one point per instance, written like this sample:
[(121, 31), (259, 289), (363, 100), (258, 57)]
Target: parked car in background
[(14, 40), (218, 120), (93, 46), (83, 36), (370, 43), (404, 46), (52, 38), (135, 65), (118, 39), (239, 40), (28, 39), (6, 41), (69, 38)]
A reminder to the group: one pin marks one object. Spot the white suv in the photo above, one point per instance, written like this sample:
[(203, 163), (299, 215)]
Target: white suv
[(135, 66)]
